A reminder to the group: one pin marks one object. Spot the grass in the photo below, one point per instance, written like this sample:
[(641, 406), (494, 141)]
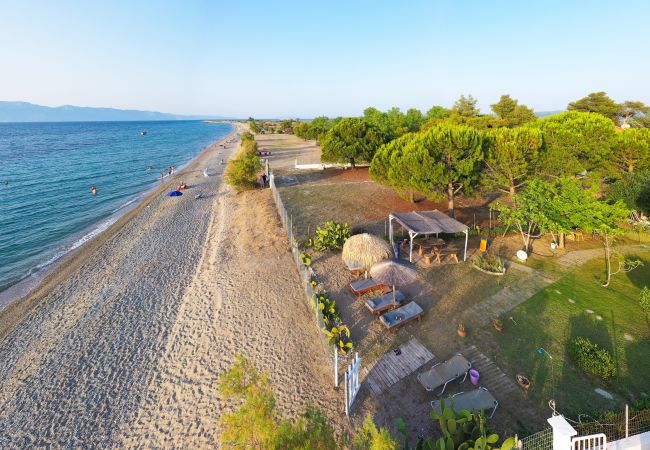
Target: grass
[(550, 321)]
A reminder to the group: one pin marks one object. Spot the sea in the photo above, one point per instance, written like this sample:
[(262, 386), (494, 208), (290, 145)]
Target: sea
[(48, 169)]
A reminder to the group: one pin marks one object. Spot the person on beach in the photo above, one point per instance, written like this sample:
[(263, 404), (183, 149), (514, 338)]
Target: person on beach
[(93, 190), (205, 172), (263, 180), (162, 176), (181, 186)]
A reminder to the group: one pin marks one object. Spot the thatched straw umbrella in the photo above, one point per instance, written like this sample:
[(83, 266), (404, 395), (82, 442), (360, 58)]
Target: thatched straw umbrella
[(364, 250), (393, 272)]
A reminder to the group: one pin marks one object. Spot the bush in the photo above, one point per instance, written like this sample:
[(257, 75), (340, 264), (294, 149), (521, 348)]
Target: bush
[(644, 300), (592, 359), (243, 172), (633, 189), (328, 308), (331, 236), (489, 263)]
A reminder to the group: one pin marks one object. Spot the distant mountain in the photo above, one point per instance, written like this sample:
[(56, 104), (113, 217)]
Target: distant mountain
[(28, 112), (548, 113)]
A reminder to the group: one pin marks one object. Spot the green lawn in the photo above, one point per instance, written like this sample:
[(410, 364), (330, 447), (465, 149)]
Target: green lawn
[(550, 320)]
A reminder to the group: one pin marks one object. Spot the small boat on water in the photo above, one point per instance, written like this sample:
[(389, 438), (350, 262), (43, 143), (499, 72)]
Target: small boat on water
[(143, 133)]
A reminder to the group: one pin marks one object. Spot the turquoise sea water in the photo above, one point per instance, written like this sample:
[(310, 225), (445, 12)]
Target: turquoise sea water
[(47, 209)]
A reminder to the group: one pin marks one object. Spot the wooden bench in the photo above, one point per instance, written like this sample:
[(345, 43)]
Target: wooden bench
[(438, 254)]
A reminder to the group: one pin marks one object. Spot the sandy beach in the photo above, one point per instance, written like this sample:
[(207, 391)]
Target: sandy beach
[(123, 346)]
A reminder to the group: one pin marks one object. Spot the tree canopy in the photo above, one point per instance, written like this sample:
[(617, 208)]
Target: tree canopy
[(352, 140), (511, 157), (597, 102), (438, 162), (511, 112), (631, 150), (465, 107), (574, 142)]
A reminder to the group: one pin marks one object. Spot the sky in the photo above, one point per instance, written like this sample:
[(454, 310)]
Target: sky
[(308, 58)]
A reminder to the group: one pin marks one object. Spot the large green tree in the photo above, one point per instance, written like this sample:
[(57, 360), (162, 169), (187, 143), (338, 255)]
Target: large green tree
[(635, 114), (391, 167), (597, 102), (511, 112), (465, 107), (631, 150), (575, 141), (511, 157), (444, 160), (351, 140), (438, 112), (529, 211)]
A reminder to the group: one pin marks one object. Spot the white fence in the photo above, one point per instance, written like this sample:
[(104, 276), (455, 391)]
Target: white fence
[(322, 166), (352, 383)]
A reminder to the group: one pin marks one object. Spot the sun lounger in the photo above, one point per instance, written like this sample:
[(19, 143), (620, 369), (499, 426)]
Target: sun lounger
[(355, 269), (361, 287), (443, 373), (477, 400), (401, 316), (386, 302)]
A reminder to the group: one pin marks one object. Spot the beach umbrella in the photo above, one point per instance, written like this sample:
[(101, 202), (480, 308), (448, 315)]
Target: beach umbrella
[(174, 194), (365, 250), (394, 273)]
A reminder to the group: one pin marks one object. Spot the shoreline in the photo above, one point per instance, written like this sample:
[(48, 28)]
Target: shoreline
[(19, 298)]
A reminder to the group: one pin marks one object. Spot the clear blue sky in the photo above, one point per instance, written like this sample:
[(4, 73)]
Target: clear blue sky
[(305, 58)]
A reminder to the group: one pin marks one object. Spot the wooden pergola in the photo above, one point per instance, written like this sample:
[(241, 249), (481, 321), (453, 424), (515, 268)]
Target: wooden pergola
[(427, 222)]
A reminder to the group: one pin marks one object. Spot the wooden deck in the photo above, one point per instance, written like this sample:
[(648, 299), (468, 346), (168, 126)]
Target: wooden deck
[(391, 367)]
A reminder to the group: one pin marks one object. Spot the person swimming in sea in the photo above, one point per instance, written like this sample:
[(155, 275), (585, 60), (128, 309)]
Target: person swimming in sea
[(6, 183), (93, 190)]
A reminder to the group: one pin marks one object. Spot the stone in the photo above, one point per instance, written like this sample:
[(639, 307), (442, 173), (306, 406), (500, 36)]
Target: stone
[(628, 337), (599, 317), (604, 393), (571, 300), (589, 311)]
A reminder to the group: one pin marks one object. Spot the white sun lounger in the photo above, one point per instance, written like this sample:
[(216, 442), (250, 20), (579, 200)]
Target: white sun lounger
[(401, 316), (477, 400), (444, 373), (385, 302), (360, 287)]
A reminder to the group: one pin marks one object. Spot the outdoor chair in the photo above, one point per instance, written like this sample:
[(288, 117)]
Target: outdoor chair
[(385, 302), (477, 400), (364, 286), (396, 318), (355, 269), (444, 373)]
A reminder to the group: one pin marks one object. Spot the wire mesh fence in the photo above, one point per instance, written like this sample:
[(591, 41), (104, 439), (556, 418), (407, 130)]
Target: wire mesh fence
[(616, 426), (542, 440), (306, 272)]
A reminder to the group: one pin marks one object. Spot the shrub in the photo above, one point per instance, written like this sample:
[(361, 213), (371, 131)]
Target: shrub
[(644, 300), (592, 359), (489, 263), (328, 308), (329, 236), (242, 172)]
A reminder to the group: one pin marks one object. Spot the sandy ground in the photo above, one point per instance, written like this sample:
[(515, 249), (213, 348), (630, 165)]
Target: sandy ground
[(124, 348)]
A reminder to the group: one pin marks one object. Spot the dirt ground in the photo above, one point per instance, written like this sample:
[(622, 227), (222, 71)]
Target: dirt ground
[(444, 292)]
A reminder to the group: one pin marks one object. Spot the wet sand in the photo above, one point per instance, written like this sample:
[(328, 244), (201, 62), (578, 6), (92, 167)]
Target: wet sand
[(123, 345)]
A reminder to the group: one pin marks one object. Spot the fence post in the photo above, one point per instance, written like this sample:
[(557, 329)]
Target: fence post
[(562, 432), (336, 367), (627, 421)]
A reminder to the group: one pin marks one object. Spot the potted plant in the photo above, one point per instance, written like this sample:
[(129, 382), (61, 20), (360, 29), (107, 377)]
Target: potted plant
[(497, 324), (461, 330)]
